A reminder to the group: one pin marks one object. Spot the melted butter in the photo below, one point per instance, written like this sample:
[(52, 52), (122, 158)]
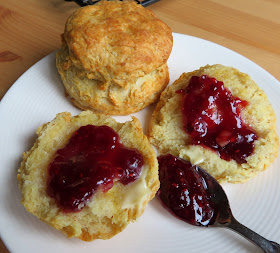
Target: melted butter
[(195, 156), (136, 192)]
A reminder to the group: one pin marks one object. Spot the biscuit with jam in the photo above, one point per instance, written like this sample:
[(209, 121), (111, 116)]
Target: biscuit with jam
[(218, 118), (88, 176), (113, 57)]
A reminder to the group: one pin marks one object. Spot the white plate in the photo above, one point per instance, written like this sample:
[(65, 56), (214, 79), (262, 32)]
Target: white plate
[(38, 96)]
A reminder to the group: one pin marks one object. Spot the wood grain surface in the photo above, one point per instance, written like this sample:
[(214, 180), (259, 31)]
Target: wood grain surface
[(30, 30)]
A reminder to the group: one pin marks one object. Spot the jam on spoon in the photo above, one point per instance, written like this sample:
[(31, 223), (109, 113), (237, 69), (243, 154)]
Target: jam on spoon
[(212, 117), (184, 192), (93, 158), (194, 196)]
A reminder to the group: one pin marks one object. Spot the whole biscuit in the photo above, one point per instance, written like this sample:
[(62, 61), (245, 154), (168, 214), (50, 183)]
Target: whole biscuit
[(107, 213), (113, 57), (167, 134)]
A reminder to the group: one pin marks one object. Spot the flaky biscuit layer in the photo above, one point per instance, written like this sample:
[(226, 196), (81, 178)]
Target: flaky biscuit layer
[(113, 99)]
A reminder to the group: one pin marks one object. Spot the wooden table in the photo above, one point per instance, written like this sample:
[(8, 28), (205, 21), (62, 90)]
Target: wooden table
[(30, 30)]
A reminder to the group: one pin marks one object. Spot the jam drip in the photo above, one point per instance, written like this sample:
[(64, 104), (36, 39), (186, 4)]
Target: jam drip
[(184, 192), (93, 158), (212, 116)]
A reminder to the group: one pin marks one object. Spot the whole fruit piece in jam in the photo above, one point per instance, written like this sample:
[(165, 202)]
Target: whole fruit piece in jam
[(184, 192), (212, 117)]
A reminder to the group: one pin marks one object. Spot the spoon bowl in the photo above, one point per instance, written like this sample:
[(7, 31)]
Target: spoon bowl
[(194, 196), (225, 218)]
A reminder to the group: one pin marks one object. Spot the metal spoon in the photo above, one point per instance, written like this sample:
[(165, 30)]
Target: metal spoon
[(83, 3), (226, 219), (194, 196)]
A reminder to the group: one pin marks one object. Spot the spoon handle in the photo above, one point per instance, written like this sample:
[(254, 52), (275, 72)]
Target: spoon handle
[(266, 245)]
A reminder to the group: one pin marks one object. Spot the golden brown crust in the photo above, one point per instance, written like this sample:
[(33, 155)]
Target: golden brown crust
[(106, 214), (118, 40), (167, 134)]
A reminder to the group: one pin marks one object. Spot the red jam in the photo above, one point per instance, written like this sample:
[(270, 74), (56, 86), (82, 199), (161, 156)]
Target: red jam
[(184, 192), (212, 116), (93, 158)]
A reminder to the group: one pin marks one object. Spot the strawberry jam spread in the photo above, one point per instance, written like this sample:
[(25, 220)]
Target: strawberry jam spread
[(93, 159), (212, 117), (184, 192)]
